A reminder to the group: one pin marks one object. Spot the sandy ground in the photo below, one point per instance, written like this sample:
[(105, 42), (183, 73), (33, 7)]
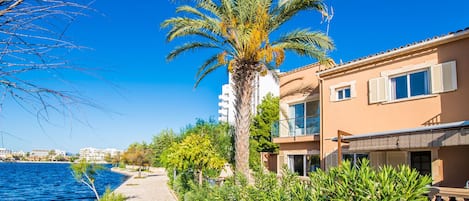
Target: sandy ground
[(152, 187)]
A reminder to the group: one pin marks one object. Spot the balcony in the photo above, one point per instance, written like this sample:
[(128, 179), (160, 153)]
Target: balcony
[(296, 129)]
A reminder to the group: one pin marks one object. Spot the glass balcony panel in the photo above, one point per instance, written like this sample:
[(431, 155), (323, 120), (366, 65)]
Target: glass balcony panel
[(296, 127)]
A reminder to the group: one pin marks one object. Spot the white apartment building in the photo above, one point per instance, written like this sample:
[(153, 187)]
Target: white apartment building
[(262, 86), (5, 153), (91, 154), (39, 153)]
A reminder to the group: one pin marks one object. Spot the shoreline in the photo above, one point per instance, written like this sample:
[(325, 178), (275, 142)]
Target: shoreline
[(61, 162), (152, 185)]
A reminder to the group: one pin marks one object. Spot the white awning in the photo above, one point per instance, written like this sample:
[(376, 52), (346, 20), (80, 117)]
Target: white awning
[(448, 134)]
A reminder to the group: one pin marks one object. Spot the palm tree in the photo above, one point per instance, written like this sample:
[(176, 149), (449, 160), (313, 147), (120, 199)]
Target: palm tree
[(239, 32)]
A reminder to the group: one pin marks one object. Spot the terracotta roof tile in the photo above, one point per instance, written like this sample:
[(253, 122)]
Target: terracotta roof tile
[(395, 49), (317, 64)]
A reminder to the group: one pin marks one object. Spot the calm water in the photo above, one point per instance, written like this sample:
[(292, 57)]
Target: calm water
[(47, 181)]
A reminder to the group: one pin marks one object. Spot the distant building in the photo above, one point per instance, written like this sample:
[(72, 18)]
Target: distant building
[(59, 152), (91, 154), (40, 153), (261, 87), (18, 153), (5, 153), (226, 105)]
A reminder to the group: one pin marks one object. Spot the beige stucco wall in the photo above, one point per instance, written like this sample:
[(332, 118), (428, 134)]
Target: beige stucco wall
[(298, 86), (455, 165), (357, 116), (296, 148)]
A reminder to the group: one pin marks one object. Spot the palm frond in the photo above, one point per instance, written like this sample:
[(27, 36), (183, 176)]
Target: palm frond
[(207, 71), (211, 7), (189, 46), (180, 24), (190, 10), (305, 36), (303, 49), (188, 31), (207, 63), (290, 8)]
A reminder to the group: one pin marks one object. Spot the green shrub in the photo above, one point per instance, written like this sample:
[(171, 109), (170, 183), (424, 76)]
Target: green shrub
[(365, 183), (122, 165), (111, 196), (345, 183)]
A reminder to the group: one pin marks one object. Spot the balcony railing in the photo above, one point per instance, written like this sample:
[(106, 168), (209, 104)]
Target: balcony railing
[(296, 127)]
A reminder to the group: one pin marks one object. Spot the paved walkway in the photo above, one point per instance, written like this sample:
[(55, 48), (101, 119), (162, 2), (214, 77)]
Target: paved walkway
[(153, 187)]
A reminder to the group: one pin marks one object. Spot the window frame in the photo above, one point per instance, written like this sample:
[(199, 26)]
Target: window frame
[(304, 117), (342, 90), (392, 89), (306, 171), (341, 87)]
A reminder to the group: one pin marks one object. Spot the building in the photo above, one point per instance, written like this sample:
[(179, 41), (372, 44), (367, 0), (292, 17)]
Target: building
[(5, 153), (261, 87), (407, 106), (226, 105), (297, 132), (91, 154), (39, 154), (404, 106)]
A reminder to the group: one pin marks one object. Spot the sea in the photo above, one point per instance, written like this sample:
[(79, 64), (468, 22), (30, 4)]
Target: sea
[(50, 181)]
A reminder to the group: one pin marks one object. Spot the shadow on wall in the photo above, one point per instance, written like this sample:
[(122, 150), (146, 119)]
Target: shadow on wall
[(433, 121), (454, 107), (331, 160)]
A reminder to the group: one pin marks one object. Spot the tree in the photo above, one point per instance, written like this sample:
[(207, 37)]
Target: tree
[(219, 134), (261, 136), (193, 152), (32, 44), (107, 157), (161, 142), (85, 173), (116, 159), (261, 128), (138, 154), (240, 33), (51, 155)]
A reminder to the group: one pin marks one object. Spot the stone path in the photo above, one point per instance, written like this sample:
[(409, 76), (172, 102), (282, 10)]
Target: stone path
[(152, 187)]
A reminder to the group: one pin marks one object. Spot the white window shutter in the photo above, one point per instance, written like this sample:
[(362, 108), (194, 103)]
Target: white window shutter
[(353, 91), (333, 96), (377, 90), (443, 77)]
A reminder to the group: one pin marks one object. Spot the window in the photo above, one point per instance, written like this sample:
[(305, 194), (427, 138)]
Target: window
[(409, 85), (355, 159), (413, 81), (421, 161), (303, 164), (343, 93), (304, 118)]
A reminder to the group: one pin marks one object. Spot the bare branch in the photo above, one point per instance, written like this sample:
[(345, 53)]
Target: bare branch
[(31, 42)]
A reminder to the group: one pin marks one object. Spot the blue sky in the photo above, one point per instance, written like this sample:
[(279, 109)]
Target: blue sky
[(141, 93)]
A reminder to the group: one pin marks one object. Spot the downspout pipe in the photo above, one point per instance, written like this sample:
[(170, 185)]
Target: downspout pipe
[(321, 119)]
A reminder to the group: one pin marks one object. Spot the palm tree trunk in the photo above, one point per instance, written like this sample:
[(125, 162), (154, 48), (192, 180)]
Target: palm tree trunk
[(243, 78)]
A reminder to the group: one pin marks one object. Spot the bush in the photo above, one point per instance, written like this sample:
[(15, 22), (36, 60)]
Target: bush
[(345, 183), (365, 183), (111, 196)]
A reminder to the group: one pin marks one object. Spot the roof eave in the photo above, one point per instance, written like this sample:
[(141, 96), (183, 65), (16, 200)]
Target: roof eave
[(395, 53)]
